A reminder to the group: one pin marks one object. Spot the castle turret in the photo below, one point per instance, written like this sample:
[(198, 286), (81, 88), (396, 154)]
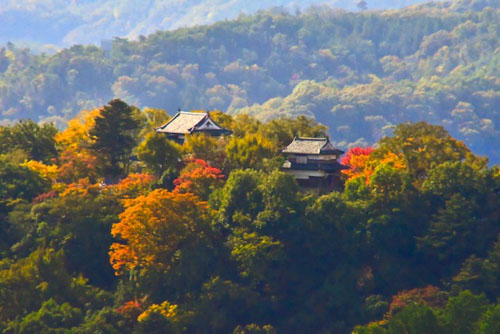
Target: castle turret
[(314, 163)]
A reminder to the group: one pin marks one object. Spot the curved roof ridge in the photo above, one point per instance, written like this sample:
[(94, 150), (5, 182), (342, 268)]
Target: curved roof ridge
[(185, 122), (193, 112), (312, 138), (309, 145)]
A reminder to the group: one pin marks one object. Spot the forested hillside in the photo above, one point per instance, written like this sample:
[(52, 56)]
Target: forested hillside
[(66, 22), (108, 227), (357, 73)]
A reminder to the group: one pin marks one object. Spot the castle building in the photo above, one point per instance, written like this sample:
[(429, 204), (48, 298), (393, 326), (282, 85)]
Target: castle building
[(314, 163), (187, 123)]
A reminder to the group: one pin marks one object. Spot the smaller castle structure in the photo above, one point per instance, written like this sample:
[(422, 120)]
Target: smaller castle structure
[(186, 123), (314, 163)]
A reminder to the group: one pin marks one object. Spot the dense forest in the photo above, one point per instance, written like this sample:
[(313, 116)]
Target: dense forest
[(109, 227), (49, 24), (360, 73)]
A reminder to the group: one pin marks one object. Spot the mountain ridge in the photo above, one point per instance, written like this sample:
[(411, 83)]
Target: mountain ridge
[(357, 73), (51, 24)]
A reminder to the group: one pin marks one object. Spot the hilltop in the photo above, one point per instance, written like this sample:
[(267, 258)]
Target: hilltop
[(110, 227), (64, 23)]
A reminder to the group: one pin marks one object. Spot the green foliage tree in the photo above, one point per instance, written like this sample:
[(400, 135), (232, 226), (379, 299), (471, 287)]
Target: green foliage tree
[(255, 255), (206, 147), (249, 151), (51, 317), (463, 311), (18, 185), (240, 200), (452, 231), (38, 141), (415, 319), (150, 118), (254, 329), (159, 153), (490, 321), (27, 283), (481, 274), (423, 145)]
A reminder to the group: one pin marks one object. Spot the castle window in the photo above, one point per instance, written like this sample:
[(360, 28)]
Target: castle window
[(301, 160)]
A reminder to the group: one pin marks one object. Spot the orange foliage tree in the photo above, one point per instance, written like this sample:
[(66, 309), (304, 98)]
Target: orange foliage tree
[(430, 296), (356, 159), (363, 162), (132, 186), (74, 165), (156, 229), (198, 178), (76, 160)]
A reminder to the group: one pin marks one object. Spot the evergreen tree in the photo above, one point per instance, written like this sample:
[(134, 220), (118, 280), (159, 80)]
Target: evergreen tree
[(113, 137)]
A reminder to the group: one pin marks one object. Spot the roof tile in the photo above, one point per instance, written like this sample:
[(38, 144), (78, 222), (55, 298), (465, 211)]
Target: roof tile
[(311, 146)]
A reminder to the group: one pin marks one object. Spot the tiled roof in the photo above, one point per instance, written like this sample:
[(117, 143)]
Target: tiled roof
[(183, 122), (327, 167), (311, 146)]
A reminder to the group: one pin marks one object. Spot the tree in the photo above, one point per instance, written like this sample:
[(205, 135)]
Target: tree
[(282, 130), (205, 147), (363, 162), (157, 229), (76, 165), (113, 135), (19, 183), (430, 296), (422, 145), (463, 311), (452, 232), (198, 178), (490, 321), (249, 151), (27, 283), (38, 141), (454, 177), (389, 183), (150, 118), (76, 137), (241, 199), (132, 186), (158, 318), (254, 329), (356, 159), (76, 218), (51, 317), (159, 153), (415, 319), (256, 255)]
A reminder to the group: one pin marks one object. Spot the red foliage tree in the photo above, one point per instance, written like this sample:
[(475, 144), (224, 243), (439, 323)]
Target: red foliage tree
[(430, 296), (356, 159), (198, 178)]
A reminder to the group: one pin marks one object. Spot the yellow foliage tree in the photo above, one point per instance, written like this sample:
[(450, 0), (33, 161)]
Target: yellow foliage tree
[(249, 151), (205, 147), (166, 309), (76, 136), (49, 172)]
